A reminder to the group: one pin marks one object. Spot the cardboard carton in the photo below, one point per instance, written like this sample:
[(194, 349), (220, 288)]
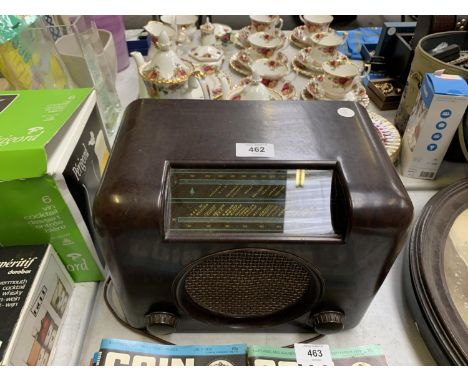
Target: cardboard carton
[(53, 150), (439, 108), (35, 289)]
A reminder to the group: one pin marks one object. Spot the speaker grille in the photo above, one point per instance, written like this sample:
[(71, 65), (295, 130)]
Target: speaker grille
[(249, 284)]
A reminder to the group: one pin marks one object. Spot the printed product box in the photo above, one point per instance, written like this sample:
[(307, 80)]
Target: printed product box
[(35, 289), (53, 150), (439, 108)]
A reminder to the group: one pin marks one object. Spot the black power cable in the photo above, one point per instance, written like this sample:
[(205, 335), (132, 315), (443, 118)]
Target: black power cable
[(124, 323), (161, 340)]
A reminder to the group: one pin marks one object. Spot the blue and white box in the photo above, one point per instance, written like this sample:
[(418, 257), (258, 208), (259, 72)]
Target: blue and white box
[(441, 103)]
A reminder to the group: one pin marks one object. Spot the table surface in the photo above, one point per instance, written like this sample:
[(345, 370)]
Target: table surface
[(387, 322)]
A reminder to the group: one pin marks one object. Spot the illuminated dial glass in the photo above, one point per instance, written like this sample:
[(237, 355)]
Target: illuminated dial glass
[(288, 201)]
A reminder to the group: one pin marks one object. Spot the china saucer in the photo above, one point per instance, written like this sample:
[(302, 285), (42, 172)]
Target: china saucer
[(221, 30), (312, 68), (281, 86), (306, 96), (206, 53), (241, 37), (213, 81), (314, 91), (388, 134), (236, 92), (271, 69), (210, 66), (300, 39), (212, 77), (300, 68), (238, 67), (242, 61)]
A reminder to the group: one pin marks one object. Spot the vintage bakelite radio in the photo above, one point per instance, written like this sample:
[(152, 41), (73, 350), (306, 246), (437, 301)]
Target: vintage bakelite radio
[(249, 216)]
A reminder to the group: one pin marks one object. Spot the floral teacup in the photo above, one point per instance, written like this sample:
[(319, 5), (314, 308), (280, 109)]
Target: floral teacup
[(315, 24), (339, 77), (155, 28), (270, 69), (181, 21), (265, 23), (265, 44), (325, 45), (307, 59)]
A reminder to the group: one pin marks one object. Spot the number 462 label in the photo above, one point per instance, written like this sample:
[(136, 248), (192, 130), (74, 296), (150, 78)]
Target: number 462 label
[(313, 355), (255, 150)]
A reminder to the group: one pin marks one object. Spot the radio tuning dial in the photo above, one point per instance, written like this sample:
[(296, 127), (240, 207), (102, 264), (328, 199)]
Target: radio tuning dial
[(159, 323), (328, 322)]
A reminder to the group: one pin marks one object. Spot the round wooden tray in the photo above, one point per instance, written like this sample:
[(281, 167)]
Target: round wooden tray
[(436, 274)]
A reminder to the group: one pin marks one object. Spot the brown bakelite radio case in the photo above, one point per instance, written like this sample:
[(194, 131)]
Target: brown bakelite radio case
[(249, 216)]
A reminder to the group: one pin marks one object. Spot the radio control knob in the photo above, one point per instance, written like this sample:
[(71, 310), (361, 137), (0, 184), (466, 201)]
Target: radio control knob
[(159, 323), (327, 322)]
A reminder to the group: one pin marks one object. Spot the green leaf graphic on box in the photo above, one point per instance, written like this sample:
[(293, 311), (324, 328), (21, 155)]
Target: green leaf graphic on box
[(28, 123), (38, 203)]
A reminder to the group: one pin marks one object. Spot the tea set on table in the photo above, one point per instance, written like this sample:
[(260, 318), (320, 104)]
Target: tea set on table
[(176, 69), (168, 76), (340, 80), (264, 23), (261, 57), (332, 75), (300, 36)]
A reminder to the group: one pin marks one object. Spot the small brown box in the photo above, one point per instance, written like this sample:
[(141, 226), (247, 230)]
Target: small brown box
[(385, 100)]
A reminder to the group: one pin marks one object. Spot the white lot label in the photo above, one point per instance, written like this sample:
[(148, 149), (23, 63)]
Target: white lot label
[(345, 112), (255, 150), (313, 355)]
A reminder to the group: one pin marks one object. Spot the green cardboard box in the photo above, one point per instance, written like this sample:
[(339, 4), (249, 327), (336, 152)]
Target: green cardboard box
[(53, 150)]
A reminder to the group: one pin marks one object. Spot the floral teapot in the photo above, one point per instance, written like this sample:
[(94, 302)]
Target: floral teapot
[(167, 76)]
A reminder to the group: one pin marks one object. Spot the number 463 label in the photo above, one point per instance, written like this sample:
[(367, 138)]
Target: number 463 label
[(255, 150), (313, 355)]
